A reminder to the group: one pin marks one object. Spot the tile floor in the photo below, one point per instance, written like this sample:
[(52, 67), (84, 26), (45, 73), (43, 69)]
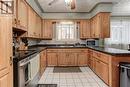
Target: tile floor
[(86, 78)]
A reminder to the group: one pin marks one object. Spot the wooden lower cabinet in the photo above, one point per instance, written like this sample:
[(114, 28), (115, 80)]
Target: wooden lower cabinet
[(52, 59), (102, 70), (67, 59), (62, 59), (72, 59), (43, 62), (82, 59)]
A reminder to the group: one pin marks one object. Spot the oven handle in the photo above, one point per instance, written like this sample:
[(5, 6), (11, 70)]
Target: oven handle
[(23, 64)]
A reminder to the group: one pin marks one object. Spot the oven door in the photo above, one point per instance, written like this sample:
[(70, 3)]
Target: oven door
[(24, 74)]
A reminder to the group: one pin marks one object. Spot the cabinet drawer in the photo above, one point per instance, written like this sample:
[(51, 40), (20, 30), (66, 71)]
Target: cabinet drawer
[(104, 58), (101, 56)]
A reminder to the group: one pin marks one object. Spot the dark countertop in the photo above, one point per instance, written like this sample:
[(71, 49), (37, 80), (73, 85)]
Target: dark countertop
[(38, 48), (22, 54), (110, 51), (107, 50)]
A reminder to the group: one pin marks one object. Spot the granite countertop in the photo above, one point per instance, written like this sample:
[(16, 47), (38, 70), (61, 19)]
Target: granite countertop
[(22, 54), (111, 51), (107, 50), (38, 48)]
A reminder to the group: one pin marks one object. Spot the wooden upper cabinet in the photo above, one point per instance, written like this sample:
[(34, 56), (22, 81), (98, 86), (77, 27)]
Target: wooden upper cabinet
[(47, 29), (85, 29), (20, 15), (100, 25), (34, 24), (31, 22), (6, 60), (38, 26)]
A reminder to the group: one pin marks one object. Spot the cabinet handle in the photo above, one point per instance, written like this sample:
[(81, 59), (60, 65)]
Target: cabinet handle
[(11, 60), (15, 21)]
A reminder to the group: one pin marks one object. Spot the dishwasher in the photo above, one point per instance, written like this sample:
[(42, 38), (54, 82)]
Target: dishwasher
[(124, 74)]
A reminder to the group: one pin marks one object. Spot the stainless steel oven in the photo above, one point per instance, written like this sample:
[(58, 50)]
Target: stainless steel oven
[(22, 67), (24, 72)]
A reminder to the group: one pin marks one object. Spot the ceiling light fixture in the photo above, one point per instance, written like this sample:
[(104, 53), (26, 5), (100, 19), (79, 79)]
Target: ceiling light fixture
[(70, 3)]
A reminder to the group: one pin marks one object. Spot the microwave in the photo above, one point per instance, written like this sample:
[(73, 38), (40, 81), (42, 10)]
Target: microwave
[(92, 42)]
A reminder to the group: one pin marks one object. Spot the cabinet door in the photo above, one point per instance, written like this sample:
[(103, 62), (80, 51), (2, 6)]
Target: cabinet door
[(31, 22), (92, 28), (97, 26), (102, 70), (6, 70), (72, 59), (4, 81), (22, 14), (52, 59), (38, 27), (47, 29), (105, 25), (62, 59), (82, 59), (84, 29), (43, 62), (91, 63)]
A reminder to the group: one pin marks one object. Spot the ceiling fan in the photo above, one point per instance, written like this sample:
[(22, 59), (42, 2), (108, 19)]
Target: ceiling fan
[(69, 3)]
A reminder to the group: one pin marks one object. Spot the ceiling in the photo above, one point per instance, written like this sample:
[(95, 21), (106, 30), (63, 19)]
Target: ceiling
[(81, 5)]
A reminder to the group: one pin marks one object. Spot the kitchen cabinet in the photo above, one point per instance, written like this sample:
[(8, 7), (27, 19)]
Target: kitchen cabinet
[(47, 29), (85, 30), (52, 59), (99, 63), (38, 26), (34, 24), (62, 59), (67, 59), (102, 70), (20, 20), (43, 61), (6, 66), (100, 25), (31, 23), (72, 59), (82, 59), (91, 62)]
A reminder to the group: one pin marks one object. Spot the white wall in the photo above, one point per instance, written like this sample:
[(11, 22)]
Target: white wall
[(122, 8)]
